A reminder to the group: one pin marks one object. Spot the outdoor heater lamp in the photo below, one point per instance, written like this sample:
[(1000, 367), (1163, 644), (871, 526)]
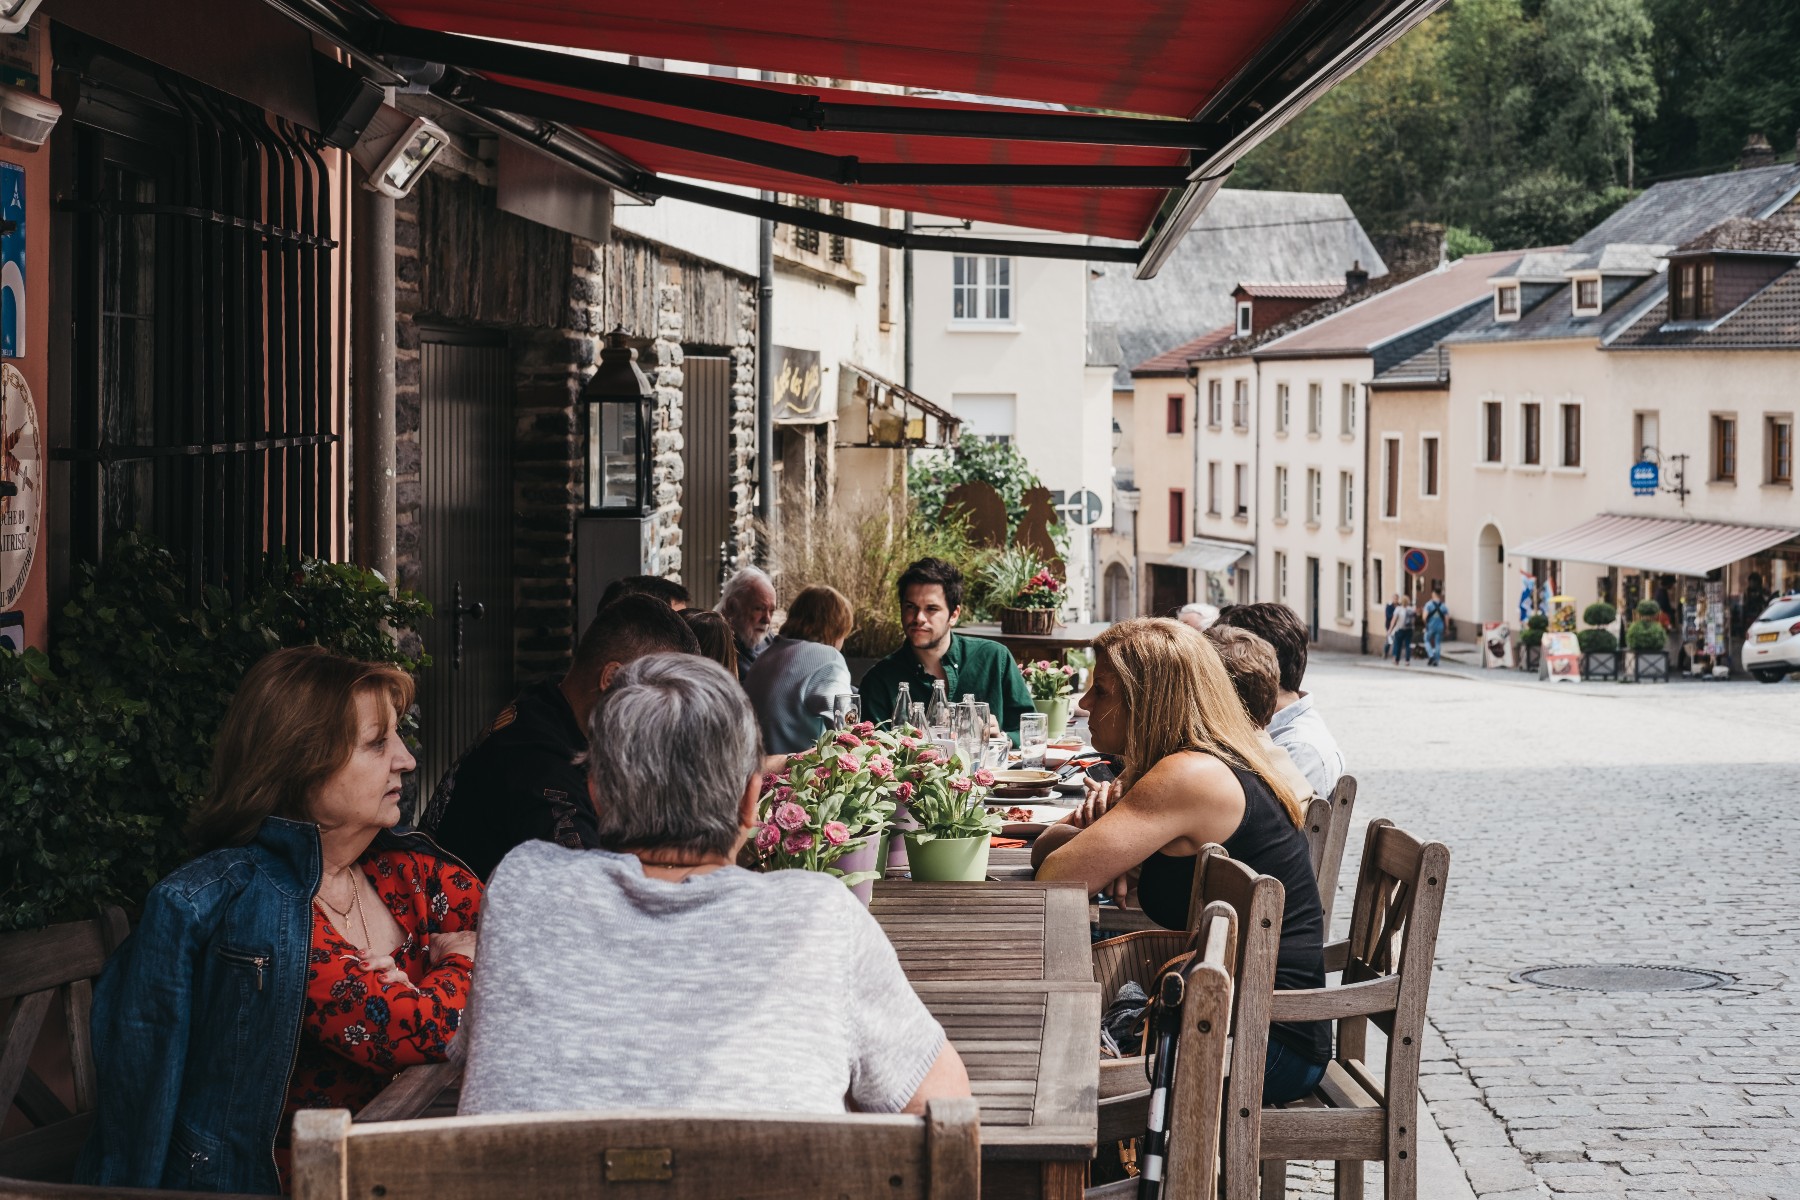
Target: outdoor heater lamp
[(16, 14), (395, 149), (619, 403)]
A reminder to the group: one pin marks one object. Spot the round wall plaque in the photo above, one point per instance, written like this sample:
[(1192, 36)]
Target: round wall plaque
[(21, 484)]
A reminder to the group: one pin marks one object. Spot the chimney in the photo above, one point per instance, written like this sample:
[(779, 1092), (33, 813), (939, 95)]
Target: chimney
[(1355, 279), (1756, 153)]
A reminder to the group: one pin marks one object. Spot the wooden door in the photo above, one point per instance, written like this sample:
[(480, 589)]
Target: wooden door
[(465, 540), (706, 476)]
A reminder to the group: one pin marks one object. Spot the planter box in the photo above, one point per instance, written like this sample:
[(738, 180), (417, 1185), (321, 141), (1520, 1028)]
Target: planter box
[(1027, 620), (1649, 666), (1601, 665), (1530, 656)]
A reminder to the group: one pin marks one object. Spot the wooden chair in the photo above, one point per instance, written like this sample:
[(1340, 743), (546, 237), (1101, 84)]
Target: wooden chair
[(669, 1155), (1327, 830), (1386, 961), (42, 970), (32, 1189), (1182, 1155)]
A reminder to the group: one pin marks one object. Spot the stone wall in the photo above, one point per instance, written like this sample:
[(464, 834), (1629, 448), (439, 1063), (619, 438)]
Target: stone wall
[(460, 260)]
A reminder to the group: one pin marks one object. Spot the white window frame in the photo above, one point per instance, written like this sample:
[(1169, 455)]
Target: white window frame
[(985, 287), (1575, 304), (1315, 496), (1283, 404), (1346, 591), (1346, 500), (1240, 491), (1347, 408), (1501, 312), (1389, 485), (1243, 317), (1638, 418), (1215, 402), (1521, 444), (1481, 432), (1240, 405), (1281, 576), (1562, 430), (1281, 493), (1435, 440), (1315, 409)]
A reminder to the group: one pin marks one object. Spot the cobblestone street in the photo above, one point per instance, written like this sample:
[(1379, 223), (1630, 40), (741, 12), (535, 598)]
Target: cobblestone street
[(1597, 823)]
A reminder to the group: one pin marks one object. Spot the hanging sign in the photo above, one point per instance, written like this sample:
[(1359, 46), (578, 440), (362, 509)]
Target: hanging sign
[(797, 387), (12, 261), (1644, 478), (1415, 561), (21, 484)]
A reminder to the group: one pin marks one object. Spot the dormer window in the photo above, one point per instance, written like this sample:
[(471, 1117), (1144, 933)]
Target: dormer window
[(1506, 302), (1587, 296), (1243, 317), (1691, 290)]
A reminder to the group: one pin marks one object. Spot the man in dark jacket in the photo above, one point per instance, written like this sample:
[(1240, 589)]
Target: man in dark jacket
[(525, 779)]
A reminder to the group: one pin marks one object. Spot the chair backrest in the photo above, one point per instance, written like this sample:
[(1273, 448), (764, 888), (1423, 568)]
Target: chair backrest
[(41, 971), (1258, 902), (685, 1155), (1197, 1091), (1393, 934), (1328, 845)]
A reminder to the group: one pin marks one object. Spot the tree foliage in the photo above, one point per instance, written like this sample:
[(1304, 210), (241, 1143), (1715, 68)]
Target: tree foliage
[(931, 478), (1524, 122)]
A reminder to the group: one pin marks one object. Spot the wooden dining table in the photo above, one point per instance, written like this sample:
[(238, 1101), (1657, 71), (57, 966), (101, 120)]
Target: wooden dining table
[(1005, 967)]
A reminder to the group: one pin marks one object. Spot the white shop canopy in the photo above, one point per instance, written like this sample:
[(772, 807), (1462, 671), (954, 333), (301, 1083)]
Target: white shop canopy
[(1664, 545), (1205, 554)]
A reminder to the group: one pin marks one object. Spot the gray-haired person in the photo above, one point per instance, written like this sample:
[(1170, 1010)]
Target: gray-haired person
[(747, 602), (653, 973)]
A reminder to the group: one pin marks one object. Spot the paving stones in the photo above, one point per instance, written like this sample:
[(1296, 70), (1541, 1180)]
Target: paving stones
[(1596, 823)]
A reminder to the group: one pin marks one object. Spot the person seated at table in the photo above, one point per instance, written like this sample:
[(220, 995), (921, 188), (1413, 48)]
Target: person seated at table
[(747, 601), (1256, 677), (1297, 726), (931, 594), (1195, 772), (715, 636), (653, 973), (798, 673), (523, 779), (666, 590), (306, 956)]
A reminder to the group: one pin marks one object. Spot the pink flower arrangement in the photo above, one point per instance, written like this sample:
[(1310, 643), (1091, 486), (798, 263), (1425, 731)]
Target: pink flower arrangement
[(879, 767), (904, 792), (962, 783), (790, 816), (848, 739), (830, 801), (768, 836), (1048, 680), (984, 778), (798, 842), (836, 833)]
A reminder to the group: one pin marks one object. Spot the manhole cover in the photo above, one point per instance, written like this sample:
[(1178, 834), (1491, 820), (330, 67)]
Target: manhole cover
[(1613, 977)]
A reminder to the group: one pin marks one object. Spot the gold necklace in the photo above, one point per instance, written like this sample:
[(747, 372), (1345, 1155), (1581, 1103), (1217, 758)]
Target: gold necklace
[(355, 904)]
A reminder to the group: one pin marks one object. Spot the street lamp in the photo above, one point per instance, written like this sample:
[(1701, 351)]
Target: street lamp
[(619, 399)]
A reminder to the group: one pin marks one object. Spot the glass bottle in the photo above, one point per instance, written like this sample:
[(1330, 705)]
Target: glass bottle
[(902, 704), (937, 713)]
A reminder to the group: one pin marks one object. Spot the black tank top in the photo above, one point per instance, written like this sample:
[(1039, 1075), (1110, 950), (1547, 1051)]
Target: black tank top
[(1269, 844)]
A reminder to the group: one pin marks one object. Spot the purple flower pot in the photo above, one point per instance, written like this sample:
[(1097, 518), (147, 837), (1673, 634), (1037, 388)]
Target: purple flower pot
[(862, 859)]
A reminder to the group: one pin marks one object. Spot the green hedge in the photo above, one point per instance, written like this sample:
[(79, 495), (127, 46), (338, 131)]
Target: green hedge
[(106, 742)]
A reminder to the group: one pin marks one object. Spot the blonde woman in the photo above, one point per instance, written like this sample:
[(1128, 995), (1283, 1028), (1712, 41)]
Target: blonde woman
[(1196, 771)]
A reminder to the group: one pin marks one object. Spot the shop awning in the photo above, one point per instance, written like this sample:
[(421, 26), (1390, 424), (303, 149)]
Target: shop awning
[(1205, 554), (875, 412), (1664, 545), (1117, 120)]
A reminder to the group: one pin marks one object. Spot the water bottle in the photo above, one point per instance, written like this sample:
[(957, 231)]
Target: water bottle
[(937, 713), (902, 704)]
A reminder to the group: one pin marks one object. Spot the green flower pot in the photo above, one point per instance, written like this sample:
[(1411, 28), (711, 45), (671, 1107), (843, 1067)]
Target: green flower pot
[(1056, 713), (948, 860)]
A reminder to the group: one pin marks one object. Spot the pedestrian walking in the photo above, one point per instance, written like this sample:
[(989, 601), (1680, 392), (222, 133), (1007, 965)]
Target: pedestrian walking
[(1437, 613), (1400, 631), (1387, 626)]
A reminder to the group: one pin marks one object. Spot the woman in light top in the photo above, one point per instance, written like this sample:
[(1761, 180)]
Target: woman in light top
[(793, 680)]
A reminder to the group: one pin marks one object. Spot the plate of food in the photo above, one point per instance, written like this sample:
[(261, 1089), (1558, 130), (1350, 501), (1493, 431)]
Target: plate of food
[(1028, 820)]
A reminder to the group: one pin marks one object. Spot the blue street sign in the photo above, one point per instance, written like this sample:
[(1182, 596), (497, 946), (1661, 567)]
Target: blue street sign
[(1644, 478), (1415, 561)]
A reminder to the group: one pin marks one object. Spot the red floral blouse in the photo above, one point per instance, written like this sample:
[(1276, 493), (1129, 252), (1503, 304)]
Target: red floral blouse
[(357, 1033)]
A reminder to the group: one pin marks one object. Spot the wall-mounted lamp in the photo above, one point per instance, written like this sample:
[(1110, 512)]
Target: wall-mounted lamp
[(619, 401), (395, 149), (26, 118), (16, 14)]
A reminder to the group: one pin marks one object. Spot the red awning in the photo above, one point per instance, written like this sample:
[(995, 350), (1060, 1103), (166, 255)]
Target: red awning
[(1139, 56)]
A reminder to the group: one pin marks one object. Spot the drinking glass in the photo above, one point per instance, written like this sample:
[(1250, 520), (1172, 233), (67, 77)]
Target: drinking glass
[(996, 753), (843, 709), (983, 716), (962, 732), (1034, 737)]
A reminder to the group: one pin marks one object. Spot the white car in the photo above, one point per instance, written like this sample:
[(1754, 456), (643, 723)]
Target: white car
[(1772, 643)]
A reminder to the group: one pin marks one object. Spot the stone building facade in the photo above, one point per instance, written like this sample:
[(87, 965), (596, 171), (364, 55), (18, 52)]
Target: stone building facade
[(462, 261)]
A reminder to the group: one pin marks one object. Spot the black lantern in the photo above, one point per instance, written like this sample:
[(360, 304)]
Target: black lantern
[(619, 400)]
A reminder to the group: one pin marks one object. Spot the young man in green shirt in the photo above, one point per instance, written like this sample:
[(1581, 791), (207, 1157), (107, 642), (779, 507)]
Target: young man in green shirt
[(931, 593)]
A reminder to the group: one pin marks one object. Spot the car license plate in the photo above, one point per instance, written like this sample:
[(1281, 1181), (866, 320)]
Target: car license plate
[(1767, 637)]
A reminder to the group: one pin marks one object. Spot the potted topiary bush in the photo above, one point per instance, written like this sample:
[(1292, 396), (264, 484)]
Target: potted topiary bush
[(1531, 641), (1599, 644), (1647, 640)]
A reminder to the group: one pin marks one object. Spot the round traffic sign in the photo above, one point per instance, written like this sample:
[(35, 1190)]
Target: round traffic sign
[(1415, 562)]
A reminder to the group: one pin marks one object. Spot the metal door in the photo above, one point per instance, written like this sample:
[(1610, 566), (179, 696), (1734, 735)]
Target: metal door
[(465, 540), (706, 475)]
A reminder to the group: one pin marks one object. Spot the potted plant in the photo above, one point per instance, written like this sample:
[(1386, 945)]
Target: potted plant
[(827, 808), (1026, 594), (950, 842), (1647, 640), (1599, 644), (1052, 693), (1531, 641)]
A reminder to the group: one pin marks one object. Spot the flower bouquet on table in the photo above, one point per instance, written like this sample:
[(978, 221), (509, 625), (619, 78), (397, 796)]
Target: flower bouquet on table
[(1052, 693), (828, 806), (953, 822)]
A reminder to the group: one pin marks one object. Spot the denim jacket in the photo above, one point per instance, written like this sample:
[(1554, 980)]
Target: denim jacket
[(197, 1017)]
